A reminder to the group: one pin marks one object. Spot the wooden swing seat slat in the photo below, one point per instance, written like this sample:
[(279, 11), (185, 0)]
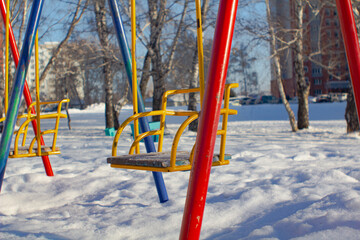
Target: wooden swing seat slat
[(25, 150), (155, 159)]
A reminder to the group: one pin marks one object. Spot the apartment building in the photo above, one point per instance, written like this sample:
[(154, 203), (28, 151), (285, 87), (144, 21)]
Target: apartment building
[(327, 71)]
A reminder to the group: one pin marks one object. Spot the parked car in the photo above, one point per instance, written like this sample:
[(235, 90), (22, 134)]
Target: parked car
[(251, 101), (243, 100), (343, 97), (323, 98), (293, 100), (267, 99), (334, 97)]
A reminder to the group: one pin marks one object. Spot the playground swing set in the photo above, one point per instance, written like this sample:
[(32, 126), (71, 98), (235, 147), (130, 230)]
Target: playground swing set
[(173, 160), (200, 159), (37, 145)]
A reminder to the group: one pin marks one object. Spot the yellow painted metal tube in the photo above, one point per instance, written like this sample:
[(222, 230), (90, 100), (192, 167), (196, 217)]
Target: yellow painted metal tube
[(162, 130), (163, 107), (7, 49), (134, 70), (31, 147), (57, 123), (37, 92), (141, 137), (177, 138), (23, 130), (183, 126), (200, 50), (225, 118), (144, 114)]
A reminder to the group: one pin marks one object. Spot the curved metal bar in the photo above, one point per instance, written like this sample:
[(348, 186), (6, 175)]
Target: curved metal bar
[(141, 137), (144, 114), (177, 138)]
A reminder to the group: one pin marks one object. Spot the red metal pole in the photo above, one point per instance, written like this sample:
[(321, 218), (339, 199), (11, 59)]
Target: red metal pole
[(351, 42), (27, 95), (210, 114)]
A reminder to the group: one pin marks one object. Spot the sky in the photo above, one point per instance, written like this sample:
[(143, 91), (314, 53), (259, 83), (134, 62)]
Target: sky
[(53, 10)]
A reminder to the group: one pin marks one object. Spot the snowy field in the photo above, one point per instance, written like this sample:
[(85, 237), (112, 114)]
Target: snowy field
[(279, 184)]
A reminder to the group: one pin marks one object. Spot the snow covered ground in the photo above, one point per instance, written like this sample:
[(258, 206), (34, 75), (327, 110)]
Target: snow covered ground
[(279, 184)]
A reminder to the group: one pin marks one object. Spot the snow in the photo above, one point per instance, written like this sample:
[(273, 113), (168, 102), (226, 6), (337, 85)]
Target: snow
[(279, 184)]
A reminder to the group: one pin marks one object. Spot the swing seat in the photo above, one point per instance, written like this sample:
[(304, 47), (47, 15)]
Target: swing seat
[(33, 149), (159, 161), (45, 150), (169, 161)]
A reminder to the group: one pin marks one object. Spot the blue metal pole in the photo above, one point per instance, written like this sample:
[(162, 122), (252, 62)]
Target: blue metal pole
[(18, 86), (144, 123)]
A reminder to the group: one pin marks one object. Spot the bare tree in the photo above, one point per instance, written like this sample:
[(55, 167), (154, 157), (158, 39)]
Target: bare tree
[(277, 68), (351, 116), (103, 33), (303, 87), (78, 14), (160, 70)]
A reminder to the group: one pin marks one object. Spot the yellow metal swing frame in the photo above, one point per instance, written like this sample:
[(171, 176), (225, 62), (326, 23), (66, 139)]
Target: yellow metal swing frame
[(35, 148), (174, 160)]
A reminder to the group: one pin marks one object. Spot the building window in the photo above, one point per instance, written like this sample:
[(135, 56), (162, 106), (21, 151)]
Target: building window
[(318, 92), (327, 12), (336, 34), (336, 23), (306, 69), (316, 71), (328, 34), (335, 13), (317, 82)]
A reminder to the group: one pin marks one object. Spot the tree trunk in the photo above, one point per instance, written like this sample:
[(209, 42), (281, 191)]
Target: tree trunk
[(351, 117), (100, 15), (278, 74), (157, 19), (145, 77), (159, 83), (303, 87), (157, 15), (193, 126)]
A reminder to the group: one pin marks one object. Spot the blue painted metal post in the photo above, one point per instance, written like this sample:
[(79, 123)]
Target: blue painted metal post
[(18, 87), (144, 123)]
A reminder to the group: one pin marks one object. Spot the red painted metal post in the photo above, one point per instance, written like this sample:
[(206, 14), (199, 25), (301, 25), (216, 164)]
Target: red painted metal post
[(27, 95), (210, 114), (351, 42)]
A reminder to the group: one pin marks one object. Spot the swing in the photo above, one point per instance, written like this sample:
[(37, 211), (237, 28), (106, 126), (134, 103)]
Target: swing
[(36, 146), (169, 161)]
